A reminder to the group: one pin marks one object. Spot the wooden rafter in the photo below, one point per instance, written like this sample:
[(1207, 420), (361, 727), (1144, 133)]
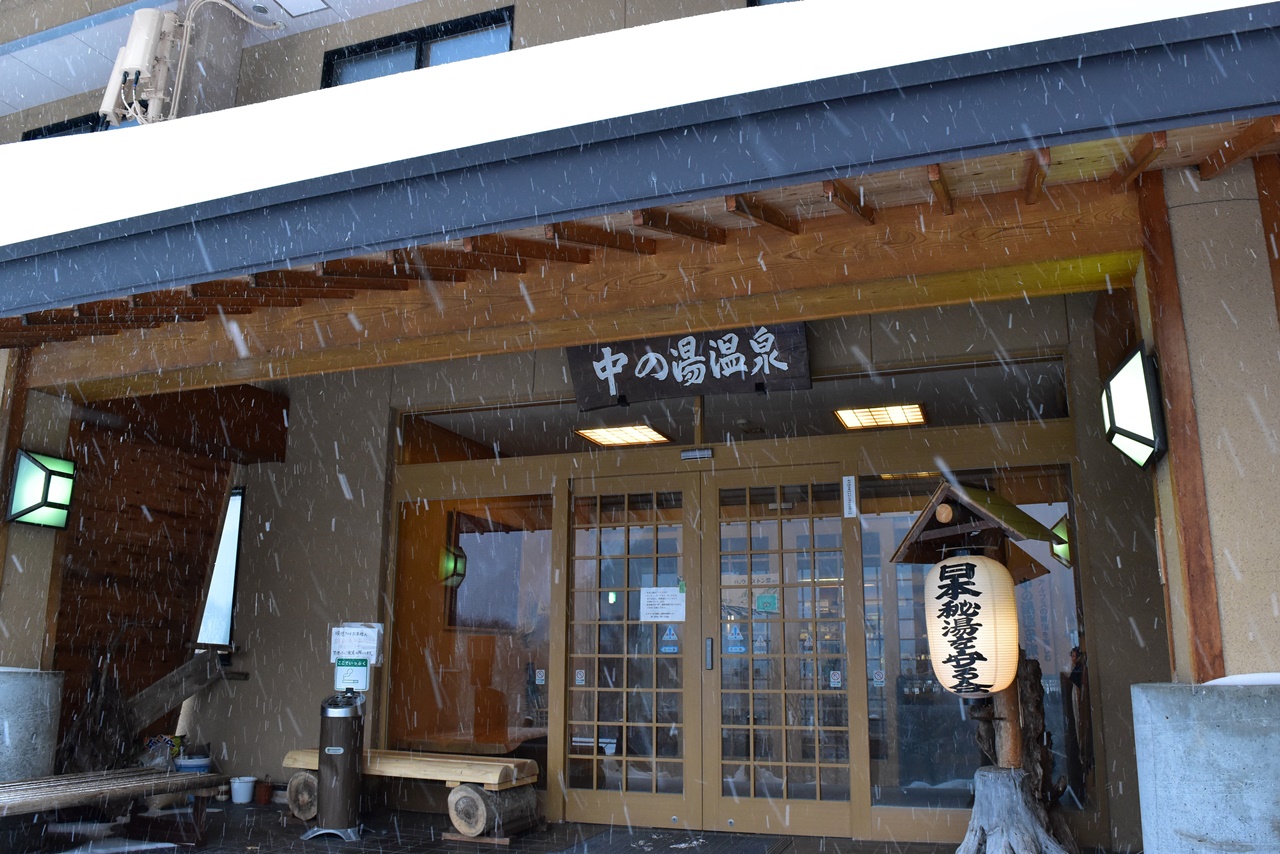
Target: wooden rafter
[(434, 257), (368, 268), (498, 244), (754, 210), (993, 247), (1259, 133), (849, 201), (679, 226), (228, 305), (293, 279), (1141, 158), (941, 192), (1037, 171), (576, 232), (224, 289)]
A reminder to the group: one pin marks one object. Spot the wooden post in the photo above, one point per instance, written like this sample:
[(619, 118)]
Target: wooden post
[(1008, 723)]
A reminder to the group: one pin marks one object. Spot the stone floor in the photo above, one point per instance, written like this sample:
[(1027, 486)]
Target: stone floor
[(252, 829)]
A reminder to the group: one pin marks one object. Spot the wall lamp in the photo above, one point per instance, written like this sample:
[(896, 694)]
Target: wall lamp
[(41, 490), (1133, 411)]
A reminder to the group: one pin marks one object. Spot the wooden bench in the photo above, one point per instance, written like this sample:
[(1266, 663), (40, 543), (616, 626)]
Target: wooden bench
[(488, 794), (101, 788)]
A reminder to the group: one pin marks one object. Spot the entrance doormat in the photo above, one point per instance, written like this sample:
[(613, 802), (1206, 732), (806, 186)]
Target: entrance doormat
[(649, 841)]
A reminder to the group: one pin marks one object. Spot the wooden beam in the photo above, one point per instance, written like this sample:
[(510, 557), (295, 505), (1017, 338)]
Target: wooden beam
[(236, 291), (1137, 161), (227, 305), (360, 268), (1041, 245), (236, 423), (1191, 508), (941, 192), (1037, 171), (849, 201), (1266, 176), (576, 232), (679, 226), (498, 244), (431, 257), (13, 412), (1260, 132), (17, 327), (753, 210), (125, 317)]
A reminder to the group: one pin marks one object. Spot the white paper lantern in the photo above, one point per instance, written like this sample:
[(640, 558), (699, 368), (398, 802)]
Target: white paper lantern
[(972, 617)]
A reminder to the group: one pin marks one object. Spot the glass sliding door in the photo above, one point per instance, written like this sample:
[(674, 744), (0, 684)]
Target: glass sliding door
[(633, 720)]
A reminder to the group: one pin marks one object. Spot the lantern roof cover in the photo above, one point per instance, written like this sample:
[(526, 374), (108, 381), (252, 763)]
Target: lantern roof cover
[(981, 520)]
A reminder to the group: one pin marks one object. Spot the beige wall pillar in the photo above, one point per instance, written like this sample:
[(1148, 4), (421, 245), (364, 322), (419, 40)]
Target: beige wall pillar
[(1233, 338)]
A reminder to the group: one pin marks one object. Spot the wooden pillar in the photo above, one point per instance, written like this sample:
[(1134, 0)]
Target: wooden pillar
[(1266, 174), (1190, 511), (13, 412)]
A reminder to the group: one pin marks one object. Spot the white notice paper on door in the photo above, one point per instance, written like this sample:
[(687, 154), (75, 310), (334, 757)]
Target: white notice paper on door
[(661, 605)]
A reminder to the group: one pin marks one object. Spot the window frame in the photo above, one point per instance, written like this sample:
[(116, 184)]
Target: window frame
[(89, 123), (422, 38), (235, 492)]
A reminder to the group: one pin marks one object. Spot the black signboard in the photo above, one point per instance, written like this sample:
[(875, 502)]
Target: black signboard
[(758, 358)]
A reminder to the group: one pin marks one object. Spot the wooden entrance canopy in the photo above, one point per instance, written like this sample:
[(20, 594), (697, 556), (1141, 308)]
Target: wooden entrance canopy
[(1022, 224)]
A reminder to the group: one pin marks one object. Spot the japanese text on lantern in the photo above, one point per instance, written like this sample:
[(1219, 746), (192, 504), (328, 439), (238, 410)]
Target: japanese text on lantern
[(959, 613)]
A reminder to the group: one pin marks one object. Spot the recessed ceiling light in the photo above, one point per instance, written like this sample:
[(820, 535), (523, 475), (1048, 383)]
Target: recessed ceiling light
[(881, 416), (638, 434), (260, 8), (298, 8)]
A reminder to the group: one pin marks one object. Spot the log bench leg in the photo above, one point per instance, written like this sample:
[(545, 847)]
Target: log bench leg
[(478, 813)]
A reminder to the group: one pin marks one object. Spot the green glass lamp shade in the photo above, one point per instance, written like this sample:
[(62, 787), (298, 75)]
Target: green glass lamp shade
[(41, 490), (453, 566)]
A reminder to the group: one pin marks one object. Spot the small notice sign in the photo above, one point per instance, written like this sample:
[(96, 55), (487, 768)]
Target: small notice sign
[(850, 497), (351, 673), (356, 640), (662, 605), (670, 641), (539, 677)]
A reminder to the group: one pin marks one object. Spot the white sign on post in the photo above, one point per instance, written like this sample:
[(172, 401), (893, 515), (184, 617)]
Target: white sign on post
[(850, 484), (661, 605), (356, 640)]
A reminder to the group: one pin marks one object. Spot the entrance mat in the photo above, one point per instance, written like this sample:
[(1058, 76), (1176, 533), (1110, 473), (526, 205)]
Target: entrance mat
[(649, 841)]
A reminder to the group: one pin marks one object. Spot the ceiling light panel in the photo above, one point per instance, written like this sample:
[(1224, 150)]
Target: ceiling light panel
[(881, 416), (638, 434)]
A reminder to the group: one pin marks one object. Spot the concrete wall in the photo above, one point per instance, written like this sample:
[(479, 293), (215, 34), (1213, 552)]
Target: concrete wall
[(1233, 337), (1209, 759), (311, 557), (28, 570), (1126, 636)]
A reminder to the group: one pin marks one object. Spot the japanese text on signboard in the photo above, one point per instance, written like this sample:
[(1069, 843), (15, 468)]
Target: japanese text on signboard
[(959, 613), (764, 357)]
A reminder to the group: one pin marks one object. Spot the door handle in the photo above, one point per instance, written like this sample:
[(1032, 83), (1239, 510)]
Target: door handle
[(708, 658)]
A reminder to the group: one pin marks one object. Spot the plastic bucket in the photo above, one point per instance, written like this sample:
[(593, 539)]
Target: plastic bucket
[(198, 764), (242, 789)]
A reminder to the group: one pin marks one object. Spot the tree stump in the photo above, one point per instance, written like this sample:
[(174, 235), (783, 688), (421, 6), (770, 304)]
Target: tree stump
[(479, 812), (303, 789), (1006, 816)]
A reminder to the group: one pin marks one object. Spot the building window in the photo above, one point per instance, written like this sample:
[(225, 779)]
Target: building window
[(466, 38), (215, 625), (68, 127)]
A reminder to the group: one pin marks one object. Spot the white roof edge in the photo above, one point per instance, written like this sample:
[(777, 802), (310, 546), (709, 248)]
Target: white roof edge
[(171, 165)]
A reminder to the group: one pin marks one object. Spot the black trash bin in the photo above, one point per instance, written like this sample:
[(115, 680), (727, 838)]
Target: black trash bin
[(341, 745)]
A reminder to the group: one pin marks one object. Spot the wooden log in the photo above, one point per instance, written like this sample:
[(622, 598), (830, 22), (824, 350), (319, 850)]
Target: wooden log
[(303, 790), (1006, 816), (478, 812)]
